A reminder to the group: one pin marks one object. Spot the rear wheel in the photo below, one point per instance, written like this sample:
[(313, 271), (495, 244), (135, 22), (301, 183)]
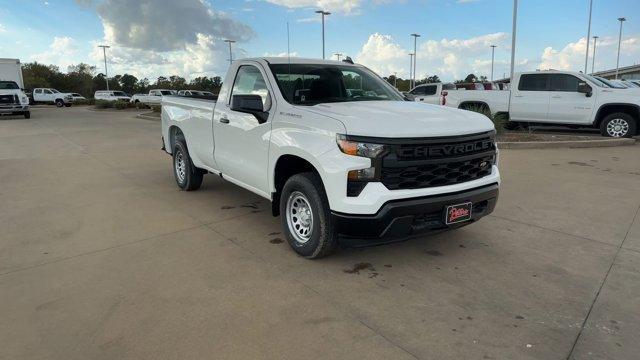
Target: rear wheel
[(27, 114), (618, 125), (306, 217), (188, 177), (59, 103)]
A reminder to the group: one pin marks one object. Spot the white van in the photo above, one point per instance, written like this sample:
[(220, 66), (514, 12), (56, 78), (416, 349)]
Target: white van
[(111, 95)]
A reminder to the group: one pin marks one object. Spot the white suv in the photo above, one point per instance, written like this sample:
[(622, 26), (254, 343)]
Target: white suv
[(52, 96), (111, 95)]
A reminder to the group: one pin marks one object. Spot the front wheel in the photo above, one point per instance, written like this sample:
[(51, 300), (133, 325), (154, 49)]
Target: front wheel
[(59, 103), (27, 114), (306, 217), (188, 177), (618, 125)]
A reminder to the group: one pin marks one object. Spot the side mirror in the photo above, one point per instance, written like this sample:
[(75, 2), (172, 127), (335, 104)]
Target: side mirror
[(585, 89), (250, 104)]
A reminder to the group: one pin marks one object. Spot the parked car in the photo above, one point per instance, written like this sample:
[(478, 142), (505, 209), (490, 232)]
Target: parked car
[(13, 101), (77, 97), (52, 96), (111, 95), (559, 97), (154, 97), (359, 167)]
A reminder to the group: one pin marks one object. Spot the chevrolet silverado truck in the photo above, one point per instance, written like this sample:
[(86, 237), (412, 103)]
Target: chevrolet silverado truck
[(342, 156), (558, 98), (13, 100)]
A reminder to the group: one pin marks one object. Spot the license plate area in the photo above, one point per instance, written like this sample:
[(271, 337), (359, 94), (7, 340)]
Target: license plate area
[(458, 213)]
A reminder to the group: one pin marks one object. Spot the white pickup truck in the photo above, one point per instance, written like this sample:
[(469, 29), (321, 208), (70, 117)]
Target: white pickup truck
[(342, 157), (52, 96), (153, 98), (558, 97)]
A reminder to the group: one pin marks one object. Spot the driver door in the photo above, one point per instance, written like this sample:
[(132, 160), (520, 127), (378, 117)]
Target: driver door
[(241, 141)]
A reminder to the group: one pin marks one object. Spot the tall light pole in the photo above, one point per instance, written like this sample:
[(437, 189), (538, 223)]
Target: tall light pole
[(410, 70), (493, 50), (104, 54), (415, 56), (395, 80), (338, 55), (586, 56), (593, 61), (513, 38), (323, 14), (230, 54), (619, 43)]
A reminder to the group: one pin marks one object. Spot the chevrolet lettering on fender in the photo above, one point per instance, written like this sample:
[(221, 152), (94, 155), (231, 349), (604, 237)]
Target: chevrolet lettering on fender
[(343, 158)]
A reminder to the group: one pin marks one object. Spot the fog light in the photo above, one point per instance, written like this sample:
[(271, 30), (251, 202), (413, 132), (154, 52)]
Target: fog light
[(367, 174)]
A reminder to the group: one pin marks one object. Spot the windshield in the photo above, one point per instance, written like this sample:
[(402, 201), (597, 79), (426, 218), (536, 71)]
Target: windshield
[(9, 85), (119, 93), (311, 84), (54, 90), (610, 83), (598, 81), (630, 84)]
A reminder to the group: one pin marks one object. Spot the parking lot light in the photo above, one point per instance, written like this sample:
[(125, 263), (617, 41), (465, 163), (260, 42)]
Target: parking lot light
[(593, 61), (230, 53), (323, 14), (493, 50), (586, 59), (415, 56), (621, 19), (104, 54)]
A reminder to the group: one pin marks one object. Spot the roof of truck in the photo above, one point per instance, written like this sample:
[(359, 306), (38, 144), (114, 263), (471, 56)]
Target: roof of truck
[(297, 60)]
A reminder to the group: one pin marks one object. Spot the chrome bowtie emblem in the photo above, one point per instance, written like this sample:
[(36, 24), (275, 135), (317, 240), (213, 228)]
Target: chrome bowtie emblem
[(484, 164)]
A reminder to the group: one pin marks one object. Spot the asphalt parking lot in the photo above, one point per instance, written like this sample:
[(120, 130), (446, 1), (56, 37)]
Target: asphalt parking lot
[(101, 257)]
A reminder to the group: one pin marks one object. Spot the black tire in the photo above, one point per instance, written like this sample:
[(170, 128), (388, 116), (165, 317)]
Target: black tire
[(323, 238), (59, 103), (27, 114), (191, 177), (618, 125)]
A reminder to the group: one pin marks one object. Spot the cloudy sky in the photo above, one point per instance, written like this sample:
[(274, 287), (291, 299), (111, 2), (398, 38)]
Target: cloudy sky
[(149, 38)]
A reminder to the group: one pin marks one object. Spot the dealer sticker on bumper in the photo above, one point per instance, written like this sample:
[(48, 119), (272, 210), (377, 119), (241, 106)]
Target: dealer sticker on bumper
[(458, 213)]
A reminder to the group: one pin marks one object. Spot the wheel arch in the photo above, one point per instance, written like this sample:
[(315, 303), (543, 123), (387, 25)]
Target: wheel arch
[(285, 167), (608, 109), (465, 104), (174, 132)]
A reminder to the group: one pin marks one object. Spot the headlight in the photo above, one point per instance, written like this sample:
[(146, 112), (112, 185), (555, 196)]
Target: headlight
[(358, 179), (24, 100), (356, 148)]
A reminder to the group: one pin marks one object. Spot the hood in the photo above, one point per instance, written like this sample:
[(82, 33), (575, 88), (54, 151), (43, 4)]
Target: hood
[(403, 119)]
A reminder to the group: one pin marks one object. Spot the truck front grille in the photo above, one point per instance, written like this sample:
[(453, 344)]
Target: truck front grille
[(9, 99), (424, 163)]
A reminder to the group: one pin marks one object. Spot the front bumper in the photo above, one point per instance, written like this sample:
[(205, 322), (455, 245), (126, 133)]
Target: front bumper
[(9, 109), (399, 219)]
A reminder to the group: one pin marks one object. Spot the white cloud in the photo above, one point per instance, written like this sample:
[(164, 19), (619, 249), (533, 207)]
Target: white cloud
[(449, 59), (282, 54), (2, 28), (340, 6), (62, 52), (572, 55)]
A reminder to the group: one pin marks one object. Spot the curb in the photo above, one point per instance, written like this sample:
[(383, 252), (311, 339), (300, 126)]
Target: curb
[(146, 116), (565, 144)]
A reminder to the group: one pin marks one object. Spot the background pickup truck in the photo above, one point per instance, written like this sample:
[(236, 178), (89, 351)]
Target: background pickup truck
[(153, 98), (52, 96), (558, 97), (340, 154)]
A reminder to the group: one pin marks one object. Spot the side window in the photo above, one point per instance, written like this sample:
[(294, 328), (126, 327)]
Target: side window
[(418, 91), (563, 82), (533, 82), (249, 81), (430, 90), (38, 91), (48, 92)]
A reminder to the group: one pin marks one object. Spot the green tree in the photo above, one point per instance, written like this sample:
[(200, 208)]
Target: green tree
[(128, 83)]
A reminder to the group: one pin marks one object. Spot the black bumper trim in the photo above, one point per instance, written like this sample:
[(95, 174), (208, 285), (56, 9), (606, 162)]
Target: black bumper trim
[(399, 219)]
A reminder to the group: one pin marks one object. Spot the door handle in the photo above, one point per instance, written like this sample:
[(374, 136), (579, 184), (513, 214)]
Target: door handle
[(224, 120), (556, 97), (517, 96)]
